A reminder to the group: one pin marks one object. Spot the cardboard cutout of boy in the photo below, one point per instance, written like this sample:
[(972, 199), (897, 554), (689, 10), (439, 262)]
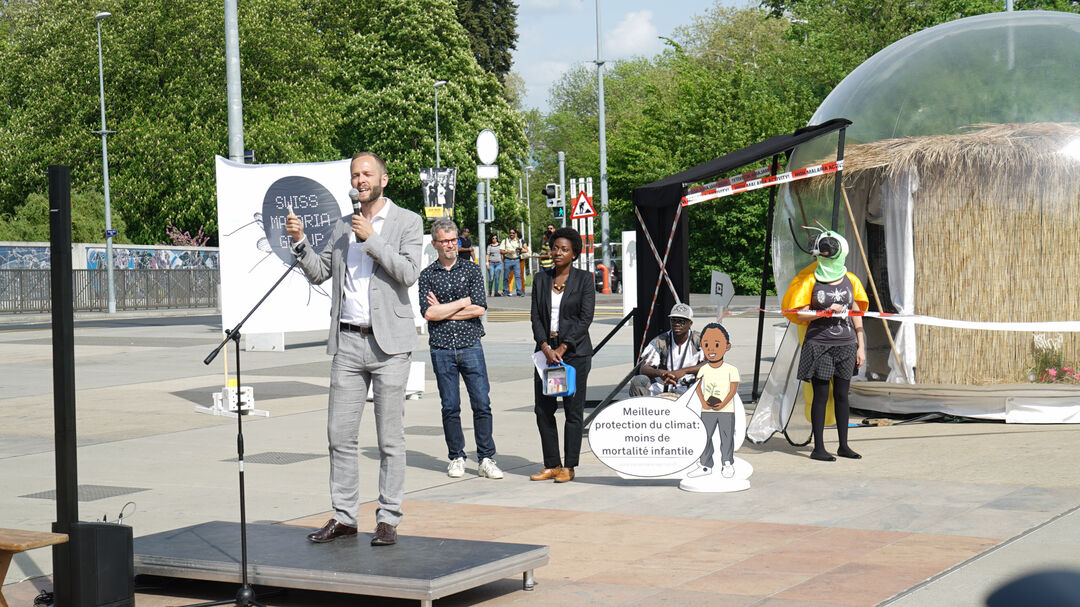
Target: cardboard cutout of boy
[(720, 408), (719, 382)]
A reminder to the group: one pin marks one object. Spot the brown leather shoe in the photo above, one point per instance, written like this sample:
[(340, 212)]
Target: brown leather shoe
[(565, 475), (385, 535), (331, 531), (546, 474)]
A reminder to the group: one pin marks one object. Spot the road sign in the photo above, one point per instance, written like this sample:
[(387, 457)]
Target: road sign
[(487, 146), (720, 291), (110, 233), (583, 207)]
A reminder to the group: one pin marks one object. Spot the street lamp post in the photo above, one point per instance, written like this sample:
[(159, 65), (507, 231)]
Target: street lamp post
[(104, 132), (604, 230), (528, 207), (438, 161)]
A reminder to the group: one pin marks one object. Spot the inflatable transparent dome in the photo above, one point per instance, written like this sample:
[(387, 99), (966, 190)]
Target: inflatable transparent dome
[(1000, 68), (961, 162)]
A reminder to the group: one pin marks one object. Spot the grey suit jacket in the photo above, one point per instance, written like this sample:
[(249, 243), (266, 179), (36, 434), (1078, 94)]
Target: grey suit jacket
[(396, 252)]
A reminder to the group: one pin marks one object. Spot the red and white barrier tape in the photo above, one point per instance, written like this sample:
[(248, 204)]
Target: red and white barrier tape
[(1064, 326), (719, 189), (754, 174)]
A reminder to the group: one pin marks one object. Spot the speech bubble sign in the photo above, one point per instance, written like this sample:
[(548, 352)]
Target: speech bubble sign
[(310, 201), (649, 436)]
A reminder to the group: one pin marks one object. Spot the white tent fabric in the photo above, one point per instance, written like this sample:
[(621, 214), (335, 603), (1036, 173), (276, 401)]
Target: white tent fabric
[(897, 204)]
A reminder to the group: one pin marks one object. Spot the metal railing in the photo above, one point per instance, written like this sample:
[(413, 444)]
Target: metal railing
[(28, 291)]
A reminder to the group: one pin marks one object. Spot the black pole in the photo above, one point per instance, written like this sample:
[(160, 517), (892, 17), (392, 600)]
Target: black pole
[(612, 332), (244, 595), (764, 279), (63, 342), (838, 183)]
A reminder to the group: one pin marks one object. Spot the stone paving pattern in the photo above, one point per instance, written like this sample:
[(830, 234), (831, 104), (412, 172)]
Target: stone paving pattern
[(935, 514)]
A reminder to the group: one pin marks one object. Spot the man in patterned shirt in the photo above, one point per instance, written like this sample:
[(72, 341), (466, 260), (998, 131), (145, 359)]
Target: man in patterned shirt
[(452, 299)]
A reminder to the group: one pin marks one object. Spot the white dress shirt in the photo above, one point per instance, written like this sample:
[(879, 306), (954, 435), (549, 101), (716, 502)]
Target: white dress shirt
[(359, 266)]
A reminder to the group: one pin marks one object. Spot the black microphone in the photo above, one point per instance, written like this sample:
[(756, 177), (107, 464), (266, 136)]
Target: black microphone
[(354, 195)]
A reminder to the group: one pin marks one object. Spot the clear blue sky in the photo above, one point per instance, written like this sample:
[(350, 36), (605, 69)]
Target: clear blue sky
[(553, 35)]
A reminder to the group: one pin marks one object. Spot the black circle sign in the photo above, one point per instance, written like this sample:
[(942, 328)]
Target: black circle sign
[(310, 201)]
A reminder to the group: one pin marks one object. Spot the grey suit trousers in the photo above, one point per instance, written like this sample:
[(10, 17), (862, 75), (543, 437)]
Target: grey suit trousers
[(359, 362)]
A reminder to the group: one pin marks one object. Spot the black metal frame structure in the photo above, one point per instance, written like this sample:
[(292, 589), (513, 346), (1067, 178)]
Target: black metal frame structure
[(658, 204)]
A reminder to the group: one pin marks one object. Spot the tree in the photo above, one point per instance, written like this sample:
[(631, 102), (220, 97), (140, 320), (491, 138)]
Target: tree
[(165, 97), (492, 29), (728, 79), (31, 221), (695, 101), (321, 80), (385, 77), (841, 34)]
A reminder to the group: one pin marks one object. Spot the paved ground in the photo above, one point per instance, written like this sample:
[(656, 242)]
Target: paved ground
[(935, 514)]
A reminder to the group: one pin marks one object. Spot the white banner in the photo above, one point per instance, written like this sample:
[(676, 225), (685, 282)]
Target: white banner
[(253, 201), (629, 271)]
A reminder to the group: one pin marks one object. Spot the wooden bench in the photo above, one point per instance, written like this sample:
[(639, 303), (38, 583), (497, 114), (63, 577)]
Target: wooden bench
[(13, 541)]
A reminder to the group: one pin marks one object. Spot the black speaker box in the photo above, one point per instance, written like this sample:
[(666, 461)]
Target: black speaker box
[(102, 564)]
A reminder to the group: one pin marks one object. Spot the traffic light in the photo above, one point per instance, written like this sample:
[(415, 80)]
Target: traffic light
[(551, 192), (558, 212)]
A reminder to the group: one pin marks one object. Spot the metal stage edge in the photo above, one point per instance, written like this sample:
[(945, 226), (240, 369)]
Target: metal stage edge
[(177, 559)]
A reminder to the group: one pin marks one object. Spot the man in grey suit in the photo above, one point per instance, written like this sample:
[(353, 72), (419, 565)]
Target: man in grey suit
[(373, 258)]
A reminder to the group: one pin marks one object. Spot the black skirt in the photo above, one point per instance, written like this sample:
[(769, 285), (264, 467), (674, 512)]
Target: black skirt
[(818, 361)]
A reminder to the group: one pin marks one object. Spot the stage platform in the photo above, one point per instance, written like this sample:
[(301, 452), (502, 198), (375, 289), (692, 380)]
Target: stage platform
[(420, 568)]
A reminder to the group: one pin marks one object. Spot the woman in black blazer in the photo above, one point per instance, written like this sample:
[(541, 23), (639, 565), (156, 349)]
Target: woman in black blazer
[(571, 293)]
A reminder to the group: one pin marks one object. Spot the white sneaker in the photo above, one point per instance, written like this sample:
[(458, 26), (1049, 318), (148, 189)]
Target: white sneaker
[(699, 471), (727, 470), (489, 469), (457, 468)]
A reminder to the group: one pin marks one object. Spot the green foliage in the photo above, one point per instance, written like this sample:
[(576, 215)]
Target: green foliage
[(385, 76), (492, 29), (841, 34), (31, 221), (321, 80), (728, 79), (165, 96)]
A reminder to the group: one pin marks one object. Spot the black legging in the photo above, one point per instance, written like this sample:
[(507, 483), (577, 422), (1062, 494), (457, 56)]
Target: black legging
[(841, 406)]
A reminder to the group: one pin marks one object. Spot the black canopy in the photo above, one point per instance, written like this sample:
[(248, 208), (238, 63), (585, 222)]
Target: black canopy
[(658, 203)]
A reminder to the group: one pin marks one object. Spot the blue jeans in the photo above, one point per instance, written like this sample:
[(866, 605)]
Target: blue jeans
[(469, 363), (495, 277), (513, 266)]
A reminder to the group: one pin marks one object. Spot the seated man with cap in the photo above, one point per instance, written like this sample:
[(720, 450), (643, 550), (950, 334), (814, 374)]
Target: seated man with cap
[(672, 359)]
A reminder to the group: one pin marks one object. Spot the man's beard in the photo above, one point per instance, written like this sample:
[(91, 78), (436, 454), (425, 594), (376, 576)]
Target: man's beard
[(373, 194)]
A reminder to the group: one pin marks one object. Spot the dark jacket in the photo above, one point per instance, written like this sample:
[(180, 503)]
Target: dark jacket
[(575, 312)]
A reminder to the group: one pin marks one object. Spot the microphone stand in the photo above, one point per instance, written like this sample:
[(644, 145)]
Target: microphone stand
[(245, 595)]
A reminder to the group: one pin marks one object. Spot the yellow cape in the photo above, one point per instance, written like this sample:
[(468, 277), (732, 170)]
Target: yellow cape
[(798, 295), (802, 286)]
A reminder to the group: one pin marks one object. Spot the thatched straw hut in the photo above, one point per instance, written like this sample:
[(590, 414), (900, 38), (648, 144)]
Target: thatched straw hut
[(994, 222)]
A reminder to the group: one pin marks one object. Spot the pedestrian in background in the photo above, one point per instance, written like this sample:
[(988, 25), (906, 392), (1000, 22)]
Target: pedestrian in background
[(512, 248), (495, 267)]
